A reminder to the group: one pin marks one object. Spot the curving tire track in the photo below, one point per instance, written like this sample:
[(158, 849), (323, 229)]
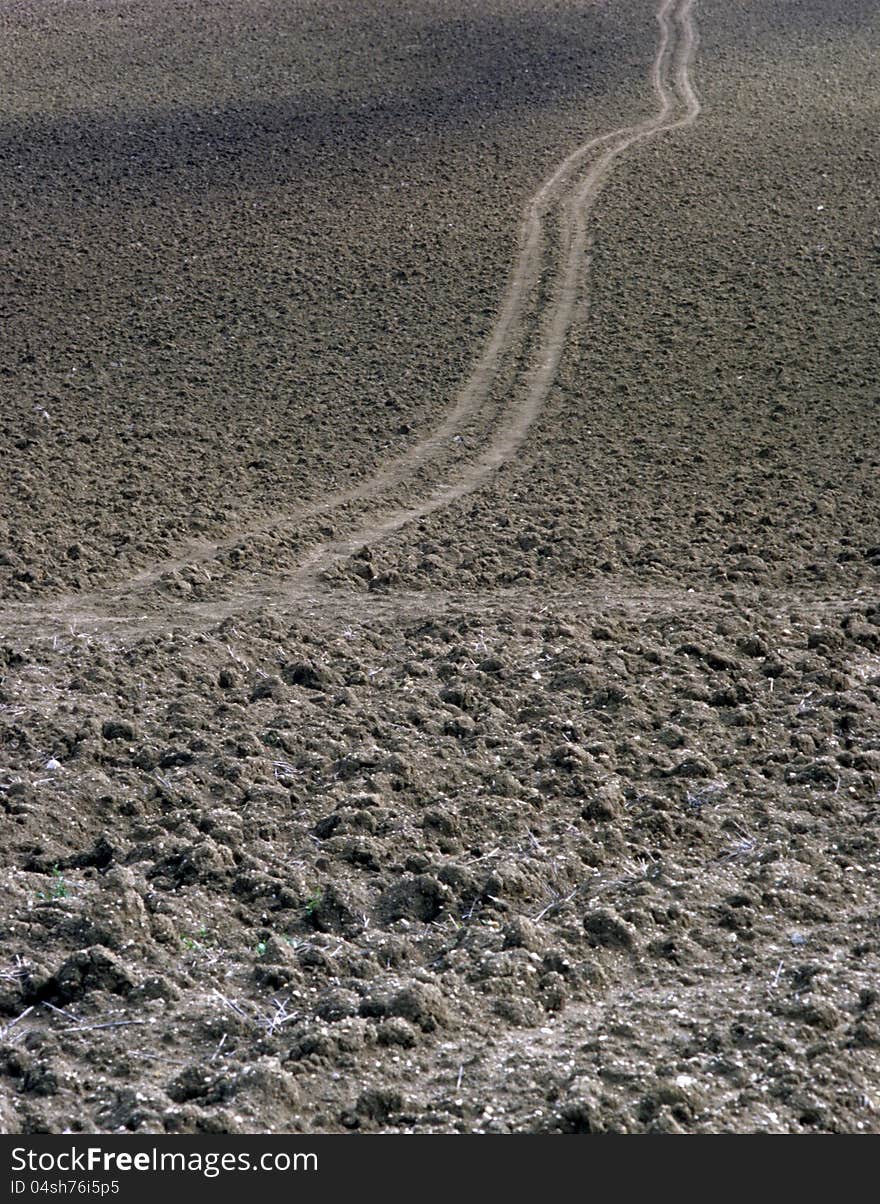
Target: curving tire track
[(678, 42), (573, 187)]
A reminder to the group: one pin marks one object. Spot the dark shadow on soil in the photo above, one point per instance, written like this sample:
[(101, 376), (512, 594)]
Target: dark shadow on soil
[(462, 76)]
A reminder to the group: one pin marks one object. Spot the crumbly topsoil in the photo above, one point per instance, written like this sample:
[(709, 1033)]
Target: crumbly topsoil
[(553, 811)]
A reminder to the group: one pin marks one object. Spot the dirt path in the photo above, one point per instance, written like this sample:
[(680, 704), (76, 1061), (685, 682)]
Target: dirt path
[(573, 187)]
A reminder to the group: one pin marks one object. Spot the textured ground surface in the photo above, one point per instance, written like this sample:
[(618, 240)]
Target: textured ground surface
[(440, 637)]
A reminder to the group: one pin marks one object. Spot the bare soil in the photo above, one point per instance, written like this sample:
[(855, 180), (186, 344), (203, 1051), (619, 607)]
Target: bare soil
[(440, 632)]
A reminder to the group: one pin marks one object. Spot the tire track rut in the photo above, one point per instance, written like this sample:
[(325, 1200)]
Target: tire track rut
[(677, 42)]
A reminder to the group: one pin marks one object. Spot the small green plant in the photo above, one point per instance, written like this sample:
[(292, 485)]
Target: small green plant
[(313, 903), (199, 941), (58, 888), (261, 948)]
